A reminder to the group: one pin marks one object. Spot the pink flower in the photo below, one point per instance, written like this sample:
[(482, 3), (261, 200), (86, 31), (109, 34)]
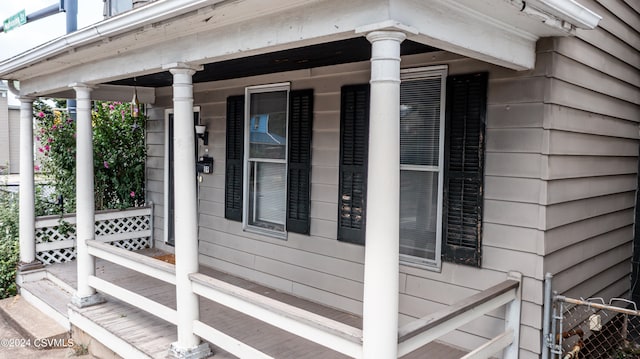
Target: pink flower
[(40, 149), (54, 127), (41, 114), (105, 164), (132, 194), (111, 107), (49, 140), (37, 138), (36, 168), (47, 147)]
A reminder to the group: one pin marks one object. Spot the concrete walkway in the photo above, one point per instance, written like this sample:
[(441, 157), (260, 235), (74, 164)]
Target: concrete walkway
[(26, 332)]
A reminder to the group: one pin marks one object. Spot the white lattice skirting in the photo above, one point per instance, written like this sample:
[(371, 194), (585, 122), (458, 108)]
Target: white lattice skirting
[(131, 229)]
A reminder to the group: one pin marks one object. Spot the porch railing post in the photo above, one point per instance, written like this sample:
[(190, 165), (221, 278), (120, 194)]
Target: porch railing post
[(27, 215), (512, 319), (381, 284), (85, 208), (186, 215)]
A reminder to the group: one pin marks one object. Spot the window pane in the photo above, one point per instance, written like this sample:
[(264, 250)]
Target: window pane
[(418, 213), (267, 195), (268, 125), (420, 121)]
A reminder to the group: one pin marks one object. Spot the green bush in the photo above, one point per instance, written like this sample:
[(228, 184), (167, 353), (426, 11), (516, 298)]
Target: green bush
[(8, 243), (119, 154)]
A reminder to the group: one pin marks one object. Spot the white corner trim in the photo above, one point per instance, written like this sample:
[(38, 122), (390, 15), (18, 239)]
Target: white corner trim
[(568, 10)]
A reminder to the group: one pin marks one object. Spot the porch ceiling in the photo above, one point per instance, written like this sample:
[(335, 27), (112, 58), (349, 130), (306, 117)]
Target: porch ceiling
[(326, 54)]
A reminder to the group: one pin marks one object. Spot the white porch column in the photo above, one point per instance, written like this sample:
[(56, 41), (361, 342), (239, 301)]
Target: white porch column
[(381, 284), (85, 207), (27, 189), (186, 214)]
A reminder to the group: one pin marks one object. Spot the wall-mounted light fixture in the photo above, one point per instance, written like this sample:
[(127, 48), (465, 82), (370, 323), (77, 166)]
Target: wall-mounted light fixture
[(202, 133)]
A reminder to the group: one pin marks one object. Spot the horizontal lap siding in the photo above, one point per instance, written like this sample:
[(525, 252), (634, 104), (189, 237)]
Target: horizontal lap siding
[(321, 268), (592, 112)]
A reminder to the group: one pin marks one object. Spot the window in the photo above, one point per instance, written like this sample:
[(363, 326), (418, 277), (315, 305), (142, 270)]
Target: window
[(266, 149), (422, 112), (441, 165), (268, 159)]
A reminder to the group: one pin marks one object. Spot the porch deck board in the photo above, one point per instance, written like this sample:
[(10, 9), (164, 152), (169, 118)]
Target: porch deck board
[(154, 335)]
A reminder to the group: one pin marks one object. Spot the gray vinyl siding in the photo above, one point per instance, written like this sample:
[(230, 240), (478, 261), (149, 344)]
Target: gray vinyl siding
[(14, 140), (319, 267), (4, 132), (592, 110)]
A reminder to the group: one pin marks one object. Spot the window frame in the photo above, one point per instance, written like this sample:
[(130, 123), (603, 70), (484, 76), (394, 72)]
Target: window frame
[(419, 73), (247, 160)]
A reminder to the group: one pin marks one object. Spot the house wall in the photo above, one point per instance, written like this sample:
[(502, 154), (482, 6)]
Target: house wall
[(319, 267), (14, 139), (592, 110), (4, 130)]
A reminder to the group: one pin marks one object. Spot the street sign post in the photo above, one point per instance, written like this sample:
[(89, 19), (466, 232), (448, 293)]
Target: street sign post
[(15, 20)]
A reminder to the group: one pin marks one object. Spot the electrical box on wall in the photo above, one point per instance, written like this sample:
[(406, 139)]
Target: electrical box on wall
[(205, 164)]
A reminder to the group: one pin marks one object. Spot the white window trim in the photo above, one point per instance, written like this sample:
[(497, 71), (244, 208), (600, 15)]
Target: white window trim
[(165, 204), (283, 86), (423, 73)]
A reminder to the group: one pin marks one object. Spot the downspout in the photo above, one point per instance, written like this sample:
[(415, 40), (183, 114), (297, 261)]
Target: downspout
[(547, 338), (12, 87), (635, 258)]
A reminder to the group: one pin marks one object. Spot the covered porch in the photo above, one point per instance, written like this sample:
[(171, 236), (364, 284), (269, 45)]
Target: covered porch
[(138, 318)]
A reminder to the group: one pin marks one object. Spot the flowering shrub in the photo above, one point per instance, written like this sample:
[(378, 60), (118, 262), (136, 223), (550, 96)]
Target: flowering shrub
[(8, 243), (118, 153)]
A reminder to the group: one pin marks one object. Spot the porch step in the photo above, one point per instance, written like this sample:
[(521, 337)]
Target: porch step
[(49, 298), (31, 323)]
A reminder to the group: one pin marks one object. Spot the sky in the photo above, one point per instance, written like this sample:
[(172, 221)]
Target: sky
[(41, 31)]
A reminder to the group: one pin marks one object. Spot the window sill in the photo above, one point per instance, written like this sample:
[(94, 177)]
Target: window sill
[(414, 262), (265, 232)]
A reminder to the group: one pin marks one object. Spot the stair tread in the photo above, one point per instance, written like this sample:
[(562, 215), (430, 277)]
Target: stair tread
[(56, 297)]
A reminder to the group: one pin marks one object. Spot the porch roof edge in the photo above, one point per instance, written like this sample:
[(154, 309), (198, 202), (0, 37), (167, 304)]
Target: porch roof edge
[(139, 17)]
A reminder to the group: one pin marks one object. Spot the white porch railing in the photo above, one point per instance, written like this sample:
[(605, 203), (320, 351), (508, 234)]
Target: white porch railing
[(324, 331), (130, 229)]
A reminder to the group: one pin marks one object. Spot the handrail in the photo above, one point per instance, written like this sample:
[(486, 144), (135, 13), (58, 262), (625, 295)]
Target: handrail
[(134, 261), (54, 219), (422, 331), (330, 333), (435, 319)]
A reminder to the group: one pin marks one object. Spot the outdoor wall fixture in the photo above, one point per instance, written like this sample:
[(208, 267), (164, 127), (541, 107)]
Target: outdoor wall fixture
[(201, 132)]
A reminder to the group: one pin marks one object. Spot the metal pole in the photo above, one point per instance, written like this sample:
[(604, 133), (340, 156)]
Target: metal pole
[(546, 320), (71, 8)]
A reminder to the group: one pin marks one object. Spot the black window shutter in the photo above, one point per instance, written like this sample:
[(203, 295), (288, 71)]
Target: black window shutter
[(299, 161), (464, 168), (234, 158), (354, 152)]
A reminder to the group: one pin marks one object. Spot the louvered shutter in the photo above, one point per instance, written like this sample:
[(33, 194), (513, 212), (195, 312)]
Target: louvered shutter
[(299, 161), (234, 158), (464, 169), (354, 152)]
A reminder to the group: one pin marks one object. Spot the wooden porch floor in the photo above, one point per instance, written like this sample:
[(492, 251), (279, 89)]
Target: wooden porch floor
[(153, 335)]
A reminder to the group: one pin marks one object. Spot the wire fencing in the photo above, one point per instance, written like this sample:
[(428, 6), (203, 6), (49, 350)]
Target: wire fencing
[(595, 329)]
